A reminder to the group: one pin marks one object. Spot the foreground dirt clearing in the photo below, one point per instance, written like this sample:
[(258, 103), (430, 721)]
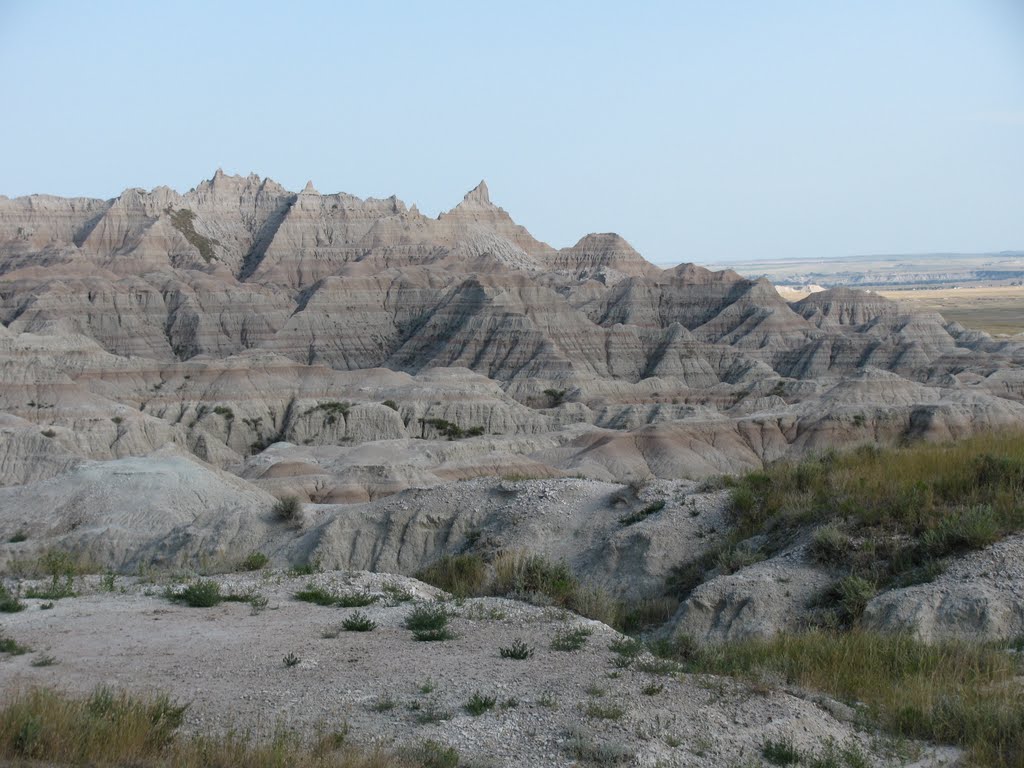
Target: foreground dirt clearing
[(552, 708)]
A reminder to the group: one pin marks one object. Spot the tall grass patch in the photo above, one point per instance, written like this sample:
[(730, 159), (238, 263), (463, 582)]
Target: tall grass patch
[(107, 728), (888, 516), (463, 575), (952, 692)]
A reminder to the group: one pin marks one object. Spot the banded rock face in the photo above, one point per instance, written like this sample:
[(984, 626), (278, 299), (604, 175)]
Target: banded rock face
[(239, 315)]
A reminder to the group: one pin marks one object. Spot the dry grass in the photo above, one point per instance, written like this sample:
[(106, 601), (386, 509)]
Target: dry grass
[(116, 729), (462, 575), (956, 693), (525, 576), (887, 516)]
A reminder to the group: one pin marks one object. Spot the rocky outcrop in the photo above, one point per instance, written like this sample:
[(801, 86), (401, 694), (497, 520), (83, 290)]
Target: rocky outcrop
[(979, 597), (164, 511), (756, 602)]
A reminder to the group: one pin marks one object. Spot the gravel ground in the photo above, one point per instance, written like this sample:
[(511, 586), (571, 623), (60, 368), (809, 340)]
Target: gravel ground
[(555, 708)]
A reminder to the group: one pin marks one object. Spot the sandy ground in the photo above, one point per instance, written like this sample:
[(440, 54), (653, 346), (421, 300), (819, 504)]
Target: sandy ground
[(227, 662)]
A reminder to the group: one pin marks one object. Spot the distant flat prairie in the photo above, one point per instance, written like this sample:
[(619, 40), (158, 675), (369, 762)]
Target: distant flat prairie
[(996, 309)]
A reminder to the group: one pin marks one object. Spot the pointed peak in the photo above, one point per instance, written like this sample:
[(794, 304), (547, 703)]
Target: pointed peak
[(478, 195), (218, 174), (309, 188)]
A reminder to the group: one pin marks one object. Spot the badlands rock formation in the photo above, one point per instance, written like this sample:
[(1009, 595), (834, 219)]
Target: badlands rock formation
[(170, 363)]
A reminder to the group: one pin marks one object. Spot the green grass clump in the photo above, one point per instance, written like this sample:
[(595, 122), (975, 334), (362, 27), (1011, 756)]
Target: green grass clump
[(13, 647), (736, 558), (356, 600), (429, 623), (601, 711), (254, 562), (851, 596), (479, 703), (519, 650), (358, 622), (432, 754), (957, 693), (570, 638), (316, 595), (62, 569), (9, 603), (642, 514), (830, 545), (321, 596), (781, 751), (540, 581), (396, 593), (204, 593), (462, 575), (628, 647), (646, 613)]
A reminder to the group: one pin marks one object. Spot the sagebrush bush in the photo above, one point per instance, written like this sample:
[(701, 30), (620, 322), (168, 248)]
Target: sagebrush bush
[(254, 562), (204, 593), (358, 622), (288, 509), (429, 623)]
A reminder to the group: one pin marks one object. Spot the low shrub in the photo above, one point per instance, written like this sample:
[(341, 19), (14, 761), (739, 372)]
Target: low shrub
[(602, 711), (9, 603), (479, 703), (570, 638), (358, 622), (204, 593), (288, 509), (519, 650), (427, 617), (781, 751), (317, 595), (356, 600), (254, 562), (13, 647)]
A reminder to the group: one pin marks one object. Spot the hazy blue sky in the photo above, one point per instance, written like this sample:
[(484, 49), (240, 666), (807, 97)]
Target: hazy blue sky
[(704, 131)]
